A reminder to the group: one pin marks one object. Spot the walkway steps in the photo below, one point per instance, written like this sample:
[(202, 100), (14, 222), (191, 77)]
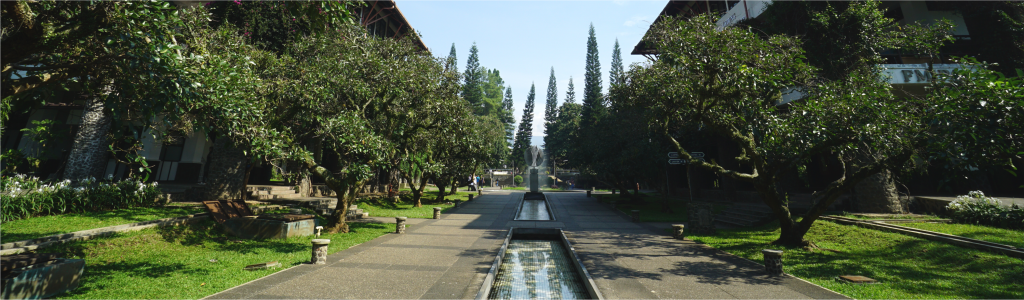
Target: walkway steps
[(931, 235)]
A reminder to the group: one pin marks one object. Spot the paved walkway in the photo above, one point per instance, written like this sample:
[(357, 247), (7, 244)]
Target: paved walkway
[(448, 259)]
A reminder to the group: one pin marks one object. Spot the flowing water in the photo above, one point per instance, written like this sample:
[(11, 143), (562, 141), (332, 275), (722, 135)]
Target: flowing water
[(537, 269)]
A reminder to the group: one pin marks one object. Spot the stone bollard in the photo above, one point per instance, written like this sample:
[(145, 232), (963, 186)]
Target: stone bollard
[(678, 231), (588, 193), (320, 251), (480, 191), (613, 191), (772, 261), (400, 225), (636, 215), (457, 202), (318, 229), (437, 213), (295, 211), (470, 197)]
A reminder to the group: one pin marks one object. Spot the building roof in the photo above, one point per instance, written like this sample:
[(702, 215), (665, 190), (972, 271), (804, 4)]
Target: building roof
[(388, 12)]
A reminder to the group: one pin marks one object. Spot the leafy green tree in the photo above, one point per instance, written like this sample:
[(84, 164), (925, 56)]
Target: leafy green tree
[(731, 82), (525, 131), (273, 25), (492, 87), (560, 142)]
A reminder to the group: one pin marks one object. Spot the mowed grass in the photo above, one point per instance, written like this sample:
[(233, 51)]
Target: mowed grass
[(382, 208), (979, 232), (906, 267), (189, 262), (41, 226)]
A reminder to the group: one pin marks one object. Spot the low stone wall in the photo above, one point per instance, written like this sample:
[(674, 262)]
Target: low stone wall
[(933, 206)]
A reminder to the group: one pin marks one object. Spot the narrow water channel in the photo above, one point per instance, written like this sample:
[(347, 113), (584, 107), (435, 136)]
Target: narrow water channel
[(534, 210), (537, 269)]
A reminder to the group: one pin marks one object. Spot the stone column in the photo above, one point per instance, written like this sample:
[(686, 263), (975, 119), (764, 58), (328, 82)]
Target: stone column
[(320, 251), (636, 215), (588, 193), (772, 261), (400, 225), (470, 197), (457, 202), (678, 231), (613, 191), (88, 157), (437, 213)]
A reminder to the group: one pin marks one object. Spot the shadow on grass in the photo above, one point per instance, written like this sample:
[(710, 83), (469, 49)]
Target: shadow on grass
[(906, 267)]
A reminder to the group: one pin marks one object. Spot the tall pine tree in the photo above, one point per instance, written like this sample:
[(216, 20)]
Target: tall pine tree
[(455, 59), (570, 96), (615, 74), (551, 107), (593, 105), (472, 90), (525, 130), (507, 118)]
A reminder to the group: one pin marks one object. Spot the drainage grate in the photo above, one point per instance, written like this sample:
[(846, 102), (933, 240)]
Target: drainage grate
[(537, 269)]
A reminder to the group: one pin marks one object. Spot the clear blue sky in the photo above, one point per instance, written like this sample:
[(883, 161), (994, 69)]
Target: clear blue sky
[(525, 39)]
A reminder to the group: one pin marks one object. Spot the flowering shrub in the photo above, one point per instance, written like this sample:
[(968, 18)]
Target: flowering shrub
[(976, 208), (26, 196)]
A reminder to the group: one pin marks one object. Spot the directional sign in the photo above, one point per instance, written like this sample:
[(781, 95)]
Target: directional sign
[(673, 155), (676, 161), (697, 154)]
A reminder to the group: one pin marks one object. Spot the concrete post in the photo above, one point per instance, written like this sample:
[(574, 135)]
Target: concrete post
[(636, 215), (400, 225), (772, 261), (678, 231), (470, 197), (457, 202), (588, 193), (320, 251), (613, 191), (437, 213)]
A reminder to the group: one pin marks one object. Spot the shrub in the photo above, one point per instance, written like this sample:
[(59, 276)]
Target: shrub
[(518, 180), (26, 196), (976, 208)]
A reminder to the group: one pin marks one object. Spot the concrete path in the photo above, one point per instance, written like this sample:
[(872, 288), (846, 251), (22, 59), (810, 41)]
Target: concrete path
[(448, 259)]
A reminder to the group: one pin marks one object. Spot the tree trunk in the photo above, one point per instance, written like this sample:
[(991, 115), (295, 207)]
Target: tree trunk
[(88, 156), (877, 194), (455, 186), (227, 171), (441, 183)]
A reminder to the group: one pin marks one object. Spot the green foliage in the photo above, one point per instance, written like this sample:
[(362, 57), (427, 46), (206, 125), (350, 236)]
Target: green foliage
[(525, 131), (593, 100), (1012, 237), (517, 180), (616, 73), (272, 25), (976, 208), (551, 106), (25, 196), (472, 89), (40, 226)]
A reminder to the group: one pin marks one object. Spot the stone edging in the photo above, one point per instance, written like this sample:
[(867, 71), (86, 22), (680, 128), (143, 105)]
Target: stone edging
[(43, 242), (931, 235)]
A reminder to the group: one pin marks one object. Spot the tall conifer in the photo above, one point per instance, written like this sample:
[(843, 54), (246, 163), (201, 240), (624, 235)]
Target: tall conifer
[(455, 59), (570, 95), (551, 107), (507, 118), (615, 74), (593, 104), (472, 90), (525, 128)]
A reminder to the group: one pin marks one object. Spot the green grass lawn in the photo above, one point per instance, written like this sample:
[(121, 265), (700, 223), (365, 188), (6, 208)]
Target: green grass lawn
[(382, 208), (188, 262), (891, 217), (37, 227), (979, 232), (906, 267)]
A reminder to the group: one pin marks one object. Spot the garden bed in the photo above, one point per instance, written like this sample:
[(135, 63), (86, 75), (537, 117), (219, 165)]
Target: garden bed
[(190, 262)]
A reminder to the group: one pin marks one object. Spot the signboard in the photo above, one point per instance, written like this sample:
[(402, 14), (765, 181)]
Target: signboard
[(676, 161), (914, 73), (673, 155), (697, 154)]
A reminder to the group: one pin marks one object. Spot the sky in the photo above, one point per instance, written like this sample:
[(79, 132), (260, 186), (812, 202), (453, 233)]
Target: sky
[(525, 39)]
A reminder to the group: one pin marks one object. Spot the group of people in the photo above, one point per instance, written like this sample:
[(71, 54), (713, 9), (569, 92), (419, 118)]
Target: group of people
[(474, 183)]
